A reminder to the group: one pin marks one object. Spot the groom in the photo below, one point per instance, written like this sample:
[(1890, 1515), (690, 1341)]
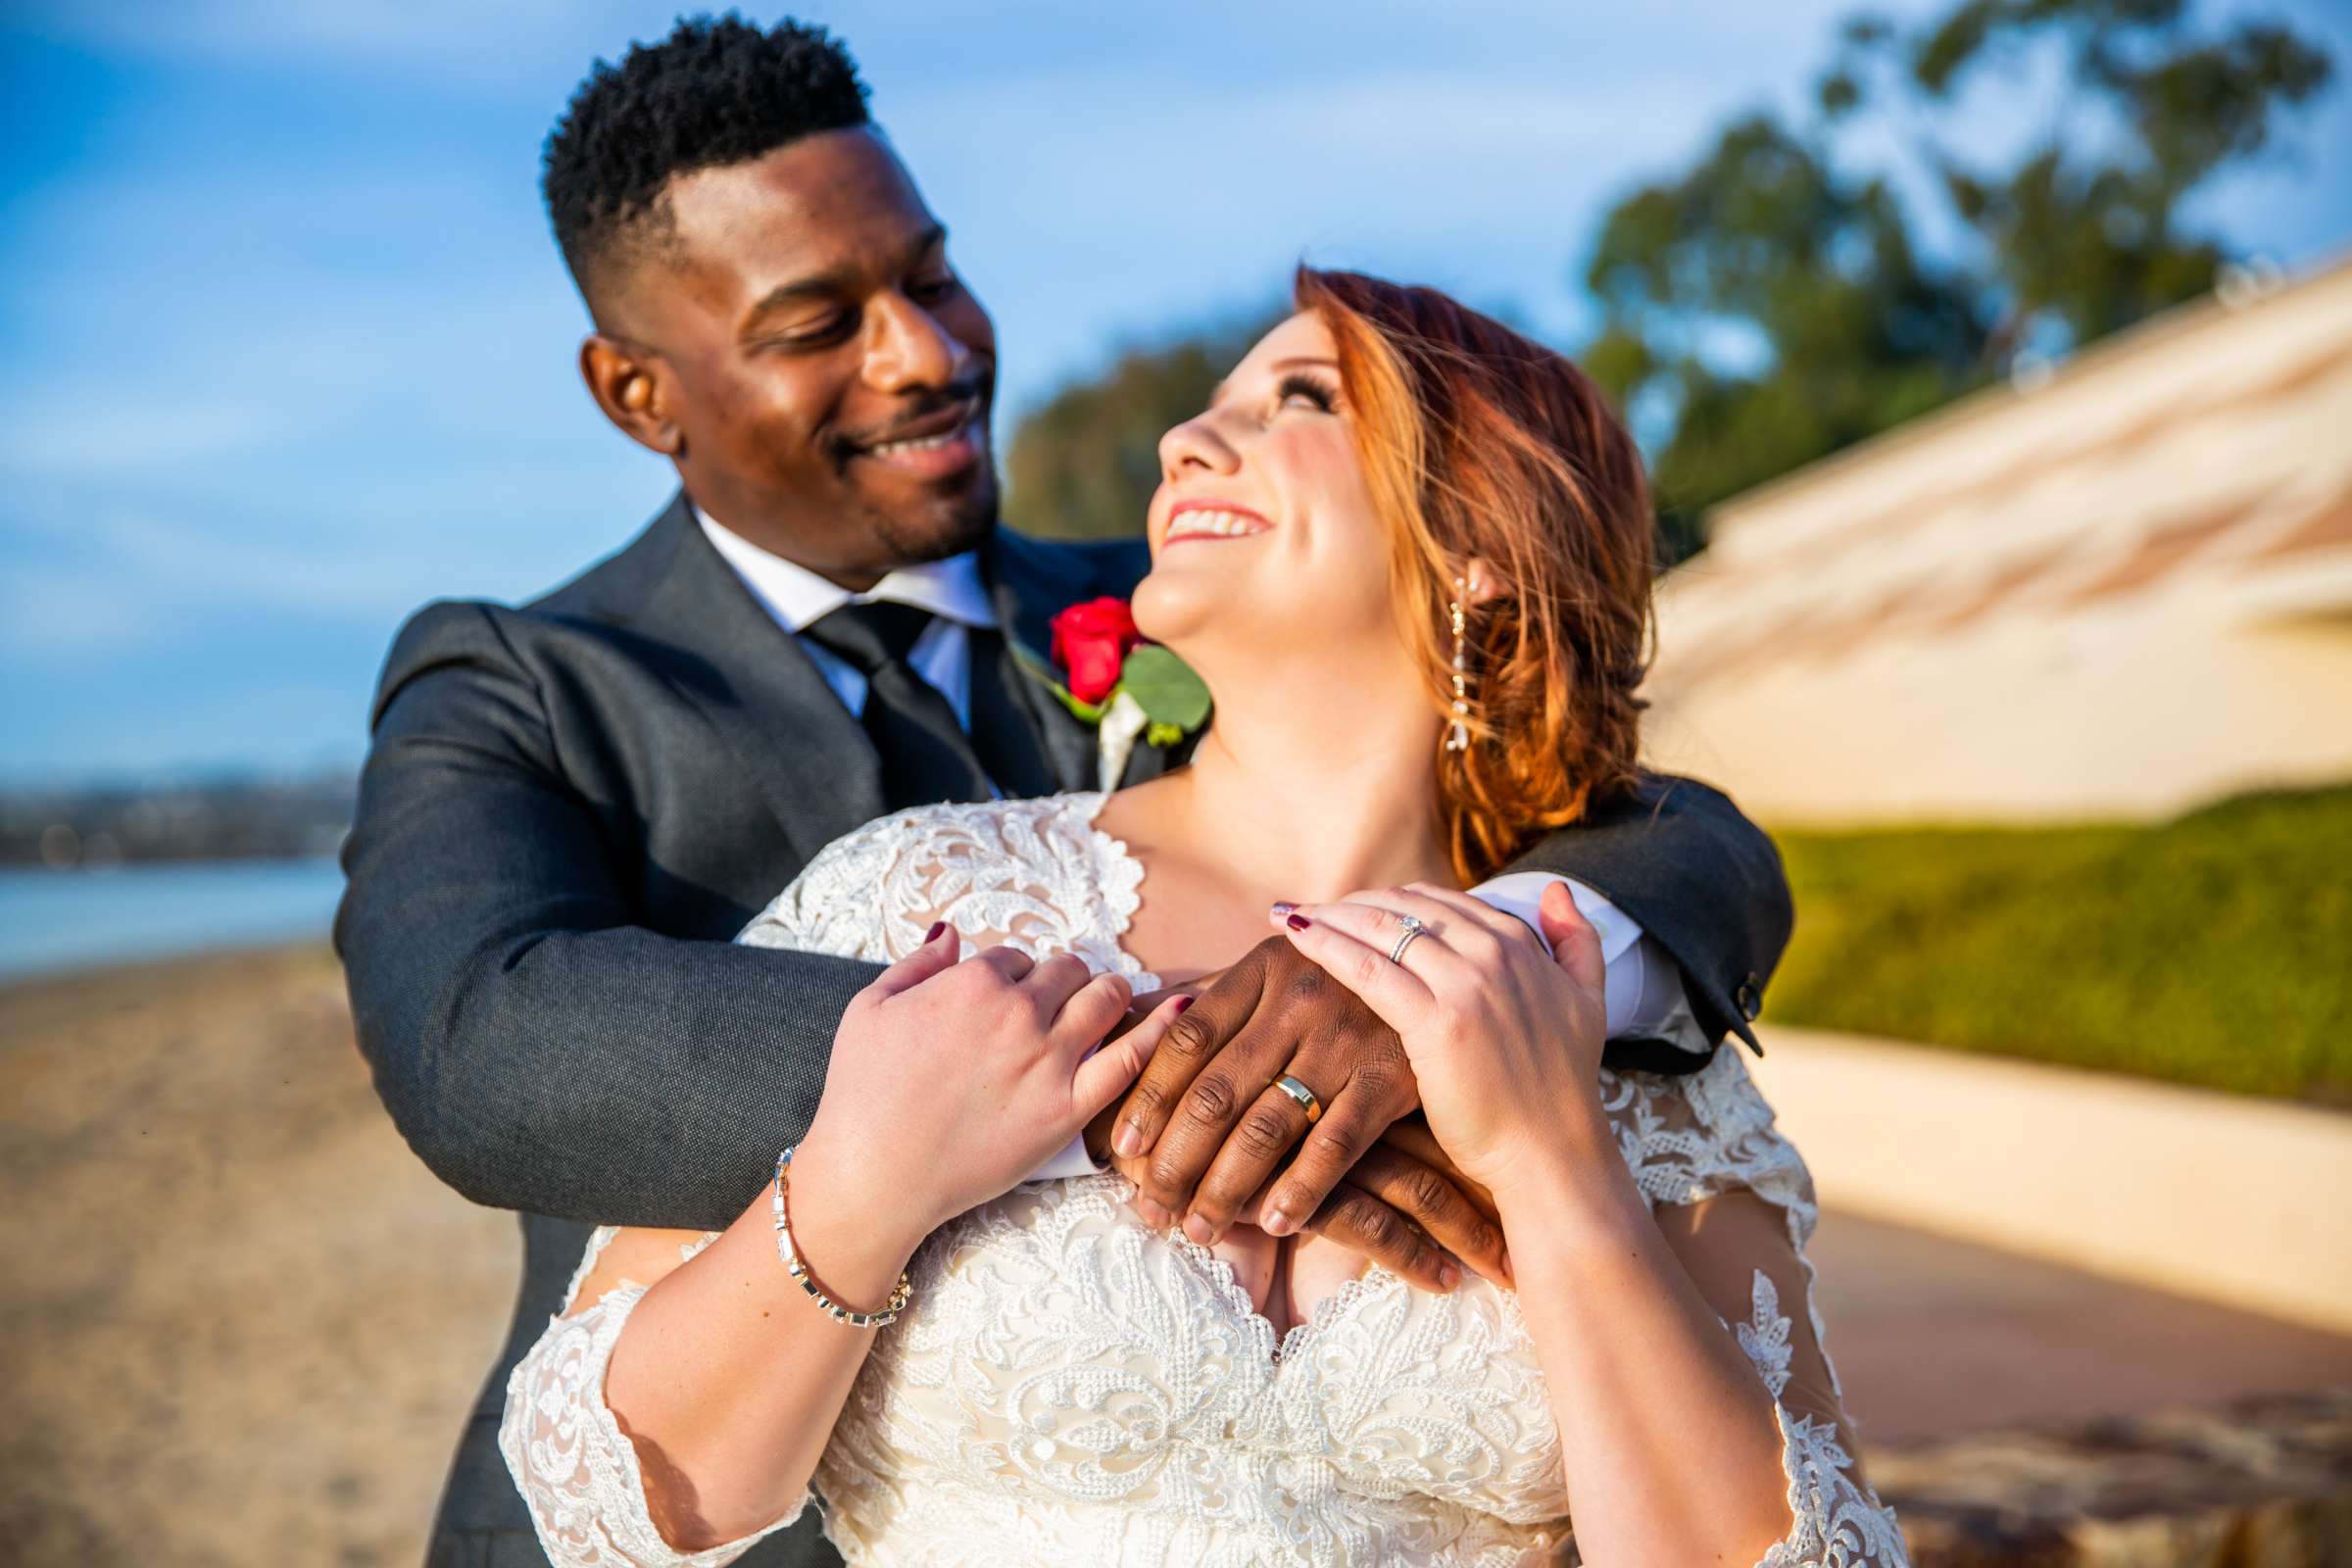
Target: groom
[(568, 809)]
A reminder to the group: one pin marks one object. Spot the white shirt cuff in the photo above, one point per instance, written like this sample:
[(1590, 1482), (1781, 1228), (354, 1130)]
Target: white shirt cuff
[(1641, 989)]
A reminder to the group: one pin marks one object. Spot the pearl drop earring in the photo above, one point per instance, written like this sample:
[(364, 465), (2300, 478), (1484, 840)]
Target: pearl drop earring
[(1457, 737)]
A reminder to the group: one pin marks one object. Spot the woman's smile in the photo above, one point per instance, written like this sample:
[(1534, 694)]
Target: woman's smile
[(1213, 519)]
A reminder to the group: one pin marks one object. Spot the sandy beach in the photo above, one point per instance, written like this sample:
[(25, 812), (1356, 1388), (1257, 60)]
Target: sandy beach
[(242, 1319)]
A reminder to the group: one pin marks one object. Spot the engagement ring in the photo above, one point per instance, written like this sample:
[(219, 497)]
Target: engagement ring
[(1412, 928)]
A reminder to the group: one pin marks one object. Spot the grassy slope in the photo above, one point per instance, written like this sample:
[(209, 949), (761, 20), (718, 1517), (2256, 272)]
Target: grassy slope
[(2215, 949)]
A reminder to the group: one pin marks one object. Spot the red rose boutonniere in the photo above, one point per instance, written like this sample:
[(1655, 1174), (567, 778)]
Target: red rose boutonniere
[(1092, 641), (1105, 674)]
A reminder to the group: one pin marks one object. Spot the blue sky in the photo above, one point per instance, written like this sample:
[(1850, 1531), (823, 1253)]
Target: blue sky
[(292, 352)]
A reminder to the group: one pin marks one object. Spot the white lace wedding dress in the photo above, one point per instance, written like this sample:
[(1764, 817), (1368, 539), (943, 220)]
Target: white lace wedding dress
[(1071, 1387)]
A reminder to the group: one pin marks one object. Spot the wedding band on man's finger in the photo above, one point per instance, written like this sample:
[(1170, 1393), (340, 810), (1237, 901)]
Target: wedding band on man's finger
[(1304, 1096)]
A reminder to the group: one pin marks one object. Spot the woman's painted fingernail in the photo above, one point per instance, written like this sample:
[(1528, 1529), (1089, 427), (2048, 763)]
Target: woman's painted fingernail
[(1285, 907), (1299, 922), (1182, 1002), (933, 934), (1274, 1222), (1127, 1140)]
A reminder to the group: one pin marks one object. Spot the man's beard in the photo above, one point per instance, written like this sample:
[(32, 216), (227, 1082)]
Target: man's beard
[(971, 517), (937, 538)]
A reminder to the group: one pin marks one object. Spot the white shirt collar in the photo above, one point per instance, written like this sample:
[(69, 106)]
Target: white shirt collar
[(798, 597)]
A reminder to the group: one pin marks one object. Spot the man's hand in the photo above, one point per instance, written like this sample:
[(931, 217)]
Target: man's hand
[(1404, 1207), (1406, 1174), (1202, 1131)]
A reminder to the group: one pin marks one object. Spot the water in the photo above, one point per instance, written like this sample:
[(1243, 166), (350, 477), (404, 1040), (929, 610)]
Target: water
[(54, 920)]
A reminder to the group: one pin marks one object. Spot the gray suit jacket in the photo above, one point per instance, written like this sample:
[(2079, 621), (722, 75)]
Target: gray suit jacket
[(568, 810)]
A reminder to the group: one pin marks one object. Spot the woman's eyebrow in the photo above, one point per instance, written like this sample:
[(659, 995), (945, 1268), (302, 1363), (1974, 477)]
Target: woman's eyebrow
[(1216, 393)]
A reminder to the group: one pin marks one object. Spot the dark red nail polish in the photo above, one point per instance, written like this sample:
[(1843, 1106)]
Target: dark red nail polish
[(1299, 922), (1182, 1002), (937, 927)]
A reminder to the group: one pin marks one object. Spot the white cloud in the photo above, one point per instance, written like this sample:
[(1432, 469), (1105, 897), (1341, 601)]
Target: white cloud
[(117, 580)]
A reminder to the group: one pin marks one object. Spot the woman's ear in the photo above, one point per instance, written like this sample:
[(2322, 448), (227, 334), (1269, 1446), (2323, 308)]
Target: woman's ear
[(1485, 583)]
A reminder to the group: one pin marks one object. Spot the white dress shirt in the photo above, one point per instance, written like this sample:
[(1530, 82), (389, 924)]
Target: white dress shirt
[(1641, 989), (798, 599)]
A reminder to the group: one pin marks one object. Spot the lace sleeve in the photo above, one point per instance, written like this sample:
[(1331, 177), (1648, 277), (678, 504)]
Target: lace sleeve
[(576, 1469), (1735, 1204)]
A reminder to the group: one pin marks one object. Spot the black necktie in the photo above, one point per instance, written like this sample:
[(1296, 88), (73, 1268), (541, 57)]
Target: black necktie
[(926, 757)]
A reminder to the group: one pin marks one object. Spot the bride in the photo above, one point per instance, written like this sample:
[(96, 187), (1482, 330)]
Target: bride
[(1388, 489)]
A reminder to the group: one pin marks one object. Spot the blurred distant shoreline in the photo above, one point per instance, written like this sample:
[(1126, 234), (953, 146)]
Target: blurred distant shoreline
[(232, 818), (57, 922)]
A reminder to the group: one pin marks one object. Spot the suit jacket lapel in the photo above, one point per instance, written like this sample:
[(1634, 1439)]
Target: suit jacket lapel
[(1008, 729), (1068, 745), (722, 651)]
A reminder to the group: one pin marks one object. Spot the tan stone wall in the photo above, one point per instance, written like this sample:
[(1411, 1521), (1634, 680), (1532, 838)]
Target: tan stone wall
[(2139, 713), (2115, 596), (2229, 1200)]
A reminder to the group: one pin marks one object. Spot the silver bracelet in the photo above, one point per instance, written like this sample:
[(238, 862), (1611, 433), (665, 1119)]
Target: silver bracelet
[(881, 1317)]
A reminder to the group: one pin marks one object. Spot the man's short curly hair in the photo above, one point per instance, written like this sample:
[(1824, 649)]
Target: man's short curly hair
[(716, 91)]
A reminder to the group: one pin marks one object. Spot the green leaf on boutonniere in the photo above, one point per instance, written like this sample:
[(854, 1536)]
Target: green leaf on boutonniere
[(1085, 713), (1166, 688), (1174, 700)]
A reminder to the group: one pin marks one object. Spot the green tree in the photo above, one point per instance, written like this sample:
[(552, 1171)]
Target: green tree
[(1771, 304)]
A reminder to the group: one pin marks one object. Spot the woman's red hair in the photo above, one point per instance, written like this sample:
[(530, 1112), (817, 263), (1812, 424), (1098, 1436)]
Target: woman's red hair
[(1482, 444)]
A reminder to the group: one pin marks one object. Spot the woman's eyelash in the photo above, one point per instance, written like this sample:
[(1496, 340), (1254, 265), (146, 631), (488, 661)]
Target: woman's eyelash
[(1300, 384)]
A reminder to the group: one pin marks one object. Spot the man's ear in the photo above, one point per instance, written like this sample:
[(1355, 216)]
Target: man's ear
[(632, 386)]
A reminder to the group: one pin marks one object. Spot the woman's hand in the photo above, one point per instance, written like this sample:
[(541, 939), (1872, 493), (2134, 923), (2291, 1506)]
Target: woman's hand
[(951, 1082), (1505, 1038)]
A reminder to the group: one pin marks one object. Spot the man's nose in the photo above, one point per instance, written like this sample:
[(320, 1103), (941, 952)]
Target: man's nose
[(912, 348)]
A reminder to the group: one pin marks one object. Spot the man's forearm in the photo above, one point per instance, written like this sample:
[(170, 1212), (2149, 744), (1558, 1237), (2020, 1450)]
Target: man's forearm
[(615, 1076), (540, 1048)]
